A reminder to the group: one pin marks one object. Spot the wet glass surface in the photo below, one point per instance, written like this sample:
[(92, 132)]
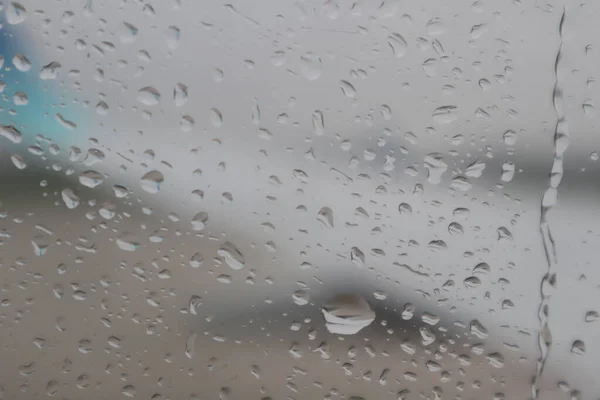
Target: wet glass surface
[(299, 200)]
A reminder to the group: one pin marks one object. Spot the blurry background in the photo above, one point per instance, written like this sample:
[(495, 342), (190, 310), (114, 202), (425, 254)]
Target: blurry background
[(179, 178)]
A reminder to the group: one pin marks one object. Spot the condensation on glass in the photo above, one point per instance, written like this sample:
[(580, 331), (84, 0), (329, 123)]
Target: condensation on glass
[(390, 199)]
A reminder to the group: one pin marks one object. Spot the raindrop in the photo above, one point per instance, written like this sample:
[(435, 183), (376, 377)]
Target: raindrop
[(445, 114), (69, 198), (15, 13), (91, 179), (477, 329), (346, 314), (496, 360), (472, 282), (408, 312), (50, 71), (437, 245), (128, 243), (180, 94), (508, 171), (510, 137), (455, 229), (404, 208), (148, 96), (347, 88), (190, 345), (301, 297), (592, 316), (578, 347), (232, 256), (435, 165), (278, 58), (504, 233), (173, 36), (325, 217), (311, 66), (128, 391), (186, 123), (21, 63), (475, 170), (357, 256), (18, 161), (461, 183), (151, 181), (318, 123), (199, 221), (398, 45), (216, 118), (129, 33)]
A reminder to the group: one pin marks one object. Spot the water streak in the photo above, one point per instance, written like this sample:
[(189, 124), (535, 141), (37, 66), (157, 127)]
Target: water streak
[(549, 199)]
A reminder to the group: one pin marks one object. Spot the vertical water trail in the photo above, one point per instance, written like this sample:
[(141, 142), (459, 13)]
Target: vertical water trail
[(548, 282)]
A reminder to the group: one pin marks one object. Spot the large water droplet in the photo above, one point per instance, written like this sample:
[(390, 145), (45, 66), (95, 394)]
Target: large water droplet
[(50, 71), (15, 13), (325, 217), (445, 114), (21, 63), (232, 256), (346, 314), (398, 45), (180, 94), (318, 123), (173, 36), (151, 181), (128, 243), (348, 89), (435, 165), (475, 170), (69, 198), (148, 96), (311, 66), (91, 179)]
